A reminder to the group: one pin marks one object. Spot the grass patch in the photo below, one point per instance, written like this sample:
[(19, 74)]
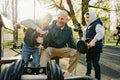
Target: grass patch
[(111, 42), (9, 43)]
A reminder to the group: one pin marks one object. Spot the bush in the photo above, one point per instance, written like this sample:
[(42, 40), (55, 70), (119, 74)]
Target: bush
[(7, 44)]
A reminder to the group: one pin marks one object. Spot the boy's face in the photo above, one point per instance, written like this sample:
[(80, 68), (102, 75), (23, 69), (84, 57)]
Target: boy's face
[(87, 18)]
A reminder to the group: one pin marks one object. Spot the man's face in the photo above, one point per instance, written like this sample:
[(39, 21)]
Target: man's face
[(61, 20)]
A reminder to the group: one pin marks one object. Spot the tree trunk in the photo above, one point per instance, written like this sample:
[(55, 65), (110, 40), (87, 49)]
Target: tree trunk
[(14, 18), (85, 4), (72, 13)]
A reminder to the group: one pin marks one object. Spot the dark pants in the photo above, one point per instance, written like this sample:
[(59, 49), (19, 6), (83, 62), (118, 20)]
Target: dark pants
[(93, 60), (117, 41)]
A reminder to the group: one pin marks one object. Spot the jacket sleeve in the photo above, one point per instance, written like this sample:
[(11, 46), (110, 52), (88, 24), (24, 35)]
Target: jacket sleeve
[(71, 41), (46, 38), (99, 33), (29, 23)]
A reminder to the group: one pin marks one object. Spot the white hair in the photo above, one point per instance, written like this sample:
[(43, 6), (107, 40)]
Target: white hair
[(62, 12)]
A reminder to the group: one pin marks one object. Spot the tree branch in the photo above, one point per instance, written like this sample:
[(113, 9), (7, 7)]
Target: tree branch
[(60, 6), (100, 8), (70, 7)]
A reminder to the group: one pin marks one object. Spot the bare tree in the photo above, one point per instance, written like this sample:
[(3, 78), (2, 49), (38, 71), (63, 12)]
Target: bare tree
[(10, 11), (101, 4), (6, 8), (14, 19), (85, 4), (117, 7), (70, 12)]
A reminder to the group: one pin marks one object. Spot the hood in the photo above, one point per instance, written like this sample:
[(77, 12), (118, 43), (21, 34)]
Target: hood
[(92, 17), (97, 21)]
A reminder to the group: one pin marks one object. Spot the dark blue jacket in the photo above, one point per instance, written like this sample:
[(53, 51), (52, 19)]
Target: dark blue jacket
[(90, 33), (30, 38), (59, 38)]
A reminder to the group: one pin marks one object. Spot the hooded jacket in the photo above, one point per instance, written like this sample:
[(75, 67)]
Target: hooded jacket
[(95, 32)]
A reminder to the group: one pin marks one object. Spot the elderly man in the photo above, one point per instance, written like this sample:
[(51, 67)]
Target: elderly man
[(60, 43)]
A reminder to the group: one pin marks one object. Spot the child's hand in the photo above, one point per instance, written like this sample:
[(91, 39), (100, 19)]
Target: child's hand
[(90, 44)]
